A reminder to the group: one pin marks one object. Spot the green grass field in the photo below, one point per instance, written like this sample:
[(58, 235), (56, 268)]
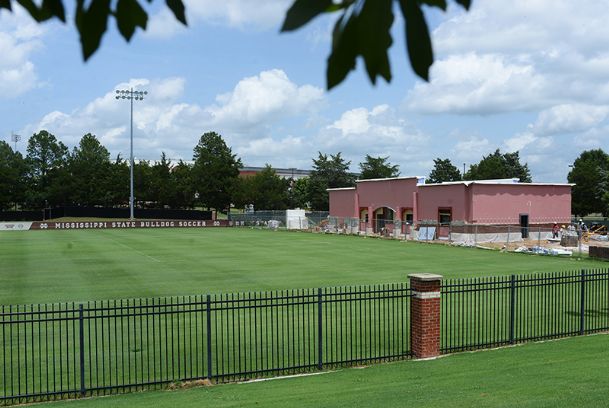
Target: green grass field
[(61, 266), (566, 373), (57, 266)]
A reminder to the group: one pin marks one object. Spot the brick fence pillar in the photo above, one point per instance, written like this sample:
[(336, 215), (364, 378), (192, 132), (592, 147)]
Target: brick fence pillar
[(425, 314)]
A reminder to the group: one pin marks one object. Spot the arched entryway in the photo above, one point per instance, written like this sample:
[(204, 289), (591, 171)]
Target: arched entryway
[(383, 220)]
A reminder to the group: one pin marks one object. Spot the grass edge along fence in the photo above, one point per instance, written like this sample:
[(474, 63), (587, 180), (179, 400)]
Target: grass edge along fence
[(104, 347), (96, 348)]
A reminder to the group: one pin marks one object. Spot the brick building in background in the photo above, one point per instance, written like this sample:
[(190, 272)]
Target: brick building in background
[(379, 203)]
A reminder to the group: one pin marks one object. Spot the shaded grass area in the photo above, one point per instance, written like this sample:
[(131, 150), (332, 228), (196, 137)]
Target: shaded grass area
[(79, 265), (565, 373)]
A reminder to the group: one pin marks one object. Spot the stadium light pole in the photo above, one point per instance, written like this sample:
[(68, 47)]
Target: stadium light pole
[(138, 96), (15, 138)]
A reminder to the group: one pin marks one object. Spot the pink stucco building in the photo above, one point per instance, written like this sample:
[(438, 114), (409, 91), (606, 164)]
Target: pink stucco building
[(409, 199)]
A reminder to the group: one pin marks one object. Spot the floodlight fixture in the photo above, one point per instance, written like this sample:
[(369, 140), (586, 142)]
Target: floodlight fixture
[(15, 138), (138, 96)]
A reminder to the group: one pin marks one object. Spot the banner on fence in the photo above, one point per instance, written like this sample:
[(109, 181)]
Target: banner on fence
[(15, 226), (73, 225)]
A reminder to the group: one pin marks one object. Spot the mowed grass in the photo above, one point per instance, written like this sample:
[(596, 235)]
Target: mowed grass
[(565, 373), (80, 265)]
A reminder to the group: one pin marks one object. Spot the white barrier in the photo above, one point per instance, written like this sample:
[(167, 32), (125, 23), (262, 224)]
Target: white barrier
[(15, 226)]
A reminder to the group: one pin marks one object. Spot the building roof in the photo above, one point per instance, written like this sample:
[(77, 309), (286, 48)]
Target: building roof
[(281, 172), (391, 178), (503, 182), (340, 188)]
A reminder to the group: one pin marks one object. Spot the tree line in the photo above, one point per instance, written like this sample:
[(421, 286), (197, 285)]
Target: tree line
[(51, 175)]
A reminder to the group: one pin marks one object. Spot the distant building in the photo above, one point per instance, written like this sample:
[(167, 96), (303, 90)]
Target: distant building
[(409, 199), (284, 173)]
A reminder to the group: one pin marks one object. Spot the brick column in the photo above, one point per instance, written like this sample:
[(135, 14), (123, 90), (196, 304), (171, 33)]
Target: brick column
[(425, 315), (370, 225)]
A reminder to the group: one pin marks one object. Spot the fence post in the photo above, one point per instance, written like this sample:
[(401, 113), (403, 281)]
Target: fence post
[(582, 299), (512, 307), (319, 331), (507, 245), (208, 313), (425, 314), (81, 335)]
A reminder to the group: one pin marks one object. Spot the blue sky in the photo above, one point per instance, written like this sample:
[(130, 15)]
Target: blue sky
[(531, 76)]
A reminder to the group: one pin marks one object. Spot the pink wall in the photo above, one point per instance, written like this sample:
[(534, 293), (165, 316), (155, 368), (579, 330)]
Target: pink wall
[(343, 203), (502, 204), (433, 197), (392, 193), (474, 203)]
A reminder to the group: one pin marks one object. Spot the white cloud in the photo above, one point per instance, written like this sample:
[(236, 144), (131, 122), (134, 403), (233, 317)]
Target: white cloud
[(239, 13), (262, 14), (472, 148), (379, 131), (163, 122), (20, 38), (262, 99), (570, 118), (354, 121), (527, 140), (163, 25), (473, 83), (269, 147), (494, 59)]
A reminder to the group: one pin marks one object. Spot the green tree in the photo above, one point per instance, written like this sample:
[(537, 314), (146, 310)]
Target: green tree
[(90, 168), (443, 170), (589, 175), (118, 183), (298, 193), (362, 30), (328, 172), (604, 192), (142, 184), (12, 177), (184, 189), (515, 169), (499, 166), (377, 167), (161, 183), (265, 190), (47, 175), (215, 171)]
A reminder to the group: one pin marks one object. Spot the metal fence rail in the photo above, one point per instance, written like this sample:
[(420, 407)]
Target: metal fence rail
[(102, 347), (71, 350), (488, 312), (278, 219)]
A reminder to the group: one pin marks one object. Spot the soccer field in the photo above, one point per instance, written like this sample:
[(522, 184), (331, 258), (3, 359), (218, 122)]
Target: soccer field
[(79, 265)]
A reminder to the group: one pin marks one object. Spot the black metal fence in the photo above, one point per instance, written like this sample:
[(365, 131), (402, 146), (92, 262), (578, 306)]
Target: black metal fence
[(488, 312), (104, 212), (72, 350), (278, 219), (103, 347)]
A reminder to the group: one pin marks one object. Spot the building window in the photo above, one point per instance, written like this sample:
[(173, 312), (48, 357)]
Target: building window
[(445, 216)]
